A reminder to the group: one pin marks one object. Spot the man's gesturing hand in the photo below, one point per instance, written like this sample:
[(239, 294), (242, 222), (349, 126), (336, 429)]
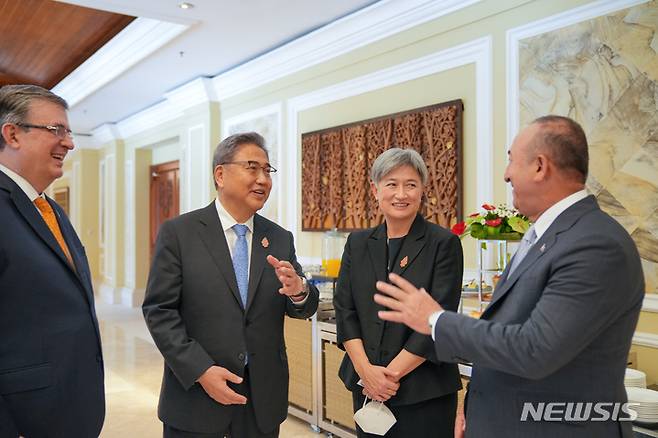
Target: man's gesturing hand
[(285, 272), (409, 305), (214, 381)]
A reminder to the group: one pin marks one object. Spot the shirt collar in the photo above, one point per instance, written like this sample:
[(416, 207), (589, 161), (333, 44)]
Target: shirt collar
[(228, 221), (21, 182), (548, 217)]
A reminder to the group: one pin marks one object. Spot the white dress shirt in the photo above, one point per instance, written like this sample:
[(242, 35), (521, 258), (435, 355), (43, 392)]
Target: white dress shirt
[(21, 182), (548, 217), (542, 224)]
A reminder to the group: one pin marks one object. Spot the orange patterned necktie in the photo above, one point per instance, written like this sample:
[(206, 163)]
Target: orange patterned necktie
[(51, 220)]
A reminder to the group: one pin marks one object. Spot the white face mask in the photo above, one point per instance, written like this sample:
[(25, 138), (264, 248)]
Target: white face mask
[(374, 417)]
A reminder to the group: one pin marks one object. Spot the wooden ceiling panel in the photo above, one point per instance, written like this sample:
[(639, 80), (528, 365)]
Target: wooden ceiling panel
[(44, 40)]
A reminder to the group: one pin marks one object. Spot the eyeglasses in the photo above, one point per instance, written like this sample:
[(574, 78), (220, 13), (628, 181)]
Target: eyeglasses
[(253, 166), (59, 130)]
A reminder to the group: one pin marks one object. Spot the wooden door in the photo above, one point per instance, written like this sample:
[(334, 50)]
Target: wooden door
[(164, 196)]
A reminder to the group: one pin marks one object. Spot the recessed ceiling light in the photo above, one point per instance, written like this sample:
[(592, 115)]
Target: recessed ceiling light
[(185, 5)]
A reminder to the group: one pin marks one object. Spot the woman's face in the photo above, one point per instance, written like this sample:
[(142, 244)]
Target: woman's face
[(399, 193)]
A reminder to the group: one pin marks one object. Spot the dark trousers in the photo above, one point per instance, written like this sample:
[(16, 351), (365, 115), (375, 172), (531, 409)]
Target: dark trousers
[(434, 418), (243, 424), (7, 426)]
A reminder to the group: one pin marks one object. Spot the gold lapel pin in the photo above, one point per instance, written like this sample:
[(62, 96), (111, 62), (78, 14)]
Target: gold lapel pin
[(404, 262), (265, 242)]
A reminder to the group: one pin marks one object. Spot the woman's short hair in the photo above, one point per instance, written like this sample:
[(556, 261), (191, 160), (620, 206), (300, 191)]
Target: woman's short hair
[(395, 157)]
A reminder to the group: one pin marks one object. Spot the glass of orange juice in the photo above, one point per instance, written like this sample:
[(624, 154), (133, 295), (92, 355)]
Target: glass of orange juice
[(333, 243), (333, 267)]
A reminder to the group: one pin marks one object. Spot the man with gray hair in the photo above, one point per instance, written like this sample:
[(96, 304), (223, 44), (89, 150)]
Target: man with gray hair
[(222, 280), (51, 366)]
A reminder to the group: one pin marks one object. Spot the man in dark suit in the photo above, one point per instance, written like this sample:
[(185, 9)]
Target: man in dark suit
[(222, 280), (51, 367), (560, 323)]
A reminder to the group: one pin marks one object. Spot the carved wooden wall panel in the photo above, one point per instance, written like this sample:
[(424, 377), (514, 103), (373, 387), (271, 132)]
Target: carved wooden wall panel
[(442, 160), (356, 171), (331, 156), (379, 137), (407, 132), (336, 166), (311, 189)]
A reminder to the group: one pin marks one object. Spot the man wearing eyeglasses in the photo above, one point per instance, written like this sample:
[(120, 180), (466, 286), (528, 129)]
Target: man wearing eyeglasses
[(51, 367), (222, 280)]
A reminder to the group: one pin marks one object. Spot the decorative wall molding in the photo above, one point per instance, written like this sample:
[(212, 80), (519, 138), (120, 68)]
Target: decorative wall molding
[(101, 211), (74, 201), (650, 303), (554, 22), (135, 42), (373, 23), (129, 221), (149, 118), (478, 52), (205, 175), (645, 339), (109, 294), (109, 207), (273, 109), (106, 133), (190, 181), (185, 177), (85, 141), (193, 93), (131, 297)]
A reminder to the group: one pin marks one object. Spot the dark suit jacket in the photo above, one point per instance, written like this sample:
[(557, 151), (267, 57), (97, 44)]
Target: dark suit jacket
[(557, 330), (51, 368), (435, 262), (194, 312)]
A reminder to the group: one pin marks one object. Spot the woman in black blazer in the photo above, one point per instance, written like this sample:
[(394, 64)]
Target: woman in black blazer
[(393, 363)]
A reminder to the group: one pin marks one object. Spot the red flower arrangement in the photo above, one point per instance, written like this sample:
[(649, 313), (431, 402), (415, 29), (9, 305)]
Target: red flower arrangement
[(500, 223)]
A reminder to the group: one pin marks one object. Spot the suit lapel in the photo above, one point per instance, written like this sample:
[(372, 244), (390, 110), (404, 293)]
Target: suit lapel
[(377, 252), (32, 217), (411, 246), (212, 235), (80, 266), (258, 257), (543, 246)]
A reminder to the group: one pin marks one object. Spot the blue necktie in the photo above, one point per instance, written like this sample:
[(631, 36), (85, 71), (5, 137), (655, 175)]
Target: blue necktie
[(241, 261), (527, 242)]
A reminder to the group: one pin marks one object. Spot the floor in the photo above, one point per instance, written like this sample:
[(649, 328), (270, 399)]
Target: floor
[(133, 369)]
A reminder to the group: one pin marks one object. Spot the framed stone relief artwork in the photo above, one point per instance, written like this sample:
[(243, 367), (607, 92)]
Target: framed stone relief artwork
[(267, 122), (603, 72), (336, 164)]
